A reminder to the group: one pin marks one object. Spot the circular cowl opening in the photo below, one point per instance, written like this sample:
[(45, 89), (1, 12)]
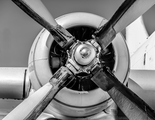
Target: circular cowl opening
[(81, 97)]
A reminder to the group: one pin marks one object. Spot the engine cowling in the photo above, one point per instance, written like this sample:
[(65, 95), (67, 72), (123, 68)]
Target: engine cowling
[(46, 57)]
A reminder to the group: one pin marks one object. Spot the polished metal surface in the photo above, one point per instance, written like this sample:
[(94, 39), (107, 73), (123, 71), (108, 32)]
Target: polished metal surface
[(14, 83), (84, 54)]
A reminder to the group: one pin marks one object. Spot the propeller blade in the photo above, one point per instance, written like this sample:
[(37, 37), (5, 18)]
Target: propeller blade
[(130, 104), (129, 11), (34, 105), (36, 10)]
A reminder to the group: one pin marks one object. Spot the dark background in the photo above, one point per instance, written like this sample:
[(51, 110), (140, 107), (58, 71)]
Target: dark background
[(18, 30)]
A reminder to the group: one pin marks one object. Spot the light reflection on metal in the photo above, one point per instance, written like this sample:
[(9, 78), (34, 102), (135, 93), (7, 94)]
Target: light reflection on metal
[(84, 54), (14, 83)]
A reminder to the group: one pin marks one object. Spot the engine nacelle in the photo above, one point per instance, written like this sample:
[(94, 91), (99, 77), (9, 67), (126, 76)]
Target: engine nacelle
[(14, 83), (72, 101)]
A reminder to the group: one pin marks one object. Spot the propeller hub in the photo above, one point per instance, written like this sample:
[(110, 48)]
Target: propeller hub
[(84, 54)]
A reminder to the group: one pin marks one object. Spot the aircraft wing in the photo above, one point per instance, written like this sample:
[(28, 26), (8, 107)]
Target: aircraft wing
[(142, 48)]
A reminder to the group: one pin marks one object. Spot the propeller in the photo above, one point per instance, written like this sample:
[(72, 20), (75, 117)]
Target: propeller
[(132, 106), (35, 104), (36, 10)]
